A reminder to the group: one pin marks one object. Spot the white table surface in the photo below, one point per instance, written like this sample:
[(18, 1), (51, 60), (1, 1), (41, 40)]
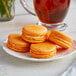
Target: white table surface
[(11, 66)]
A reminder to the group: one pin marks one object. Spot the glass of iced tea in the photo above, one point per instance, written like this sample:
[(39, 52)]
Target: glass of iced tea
[(50, 13)]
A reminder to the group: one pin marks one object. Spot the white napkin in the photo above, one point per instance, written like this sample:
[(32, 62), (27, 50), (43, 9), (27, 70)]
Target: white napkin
[(71, 71)]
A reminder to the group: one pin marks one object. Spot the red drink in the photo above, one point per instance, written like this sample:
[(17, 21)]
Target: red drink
[(51, 11)]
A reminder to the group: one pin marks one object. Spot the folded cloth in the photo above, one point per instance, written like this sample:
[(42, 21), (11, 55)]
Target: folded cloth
[(71, 71)]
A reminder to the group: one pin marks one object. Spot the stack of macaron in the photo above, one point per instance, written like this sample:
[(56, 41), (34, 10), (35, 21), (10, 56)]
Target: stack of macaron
[(38, 41)]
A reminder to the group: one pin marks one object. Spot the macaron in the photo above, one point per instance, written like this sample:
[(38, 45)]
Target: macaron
[(34, 33), (43, 50), (48, 33), (16, 43), (61, 39)]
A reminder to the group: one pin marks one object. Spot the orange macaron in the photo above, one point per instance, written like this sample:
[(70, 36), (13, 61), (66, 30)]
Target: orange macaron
[(61, 39), (34, 33), (16, 43), (48, 33), (43, 50)]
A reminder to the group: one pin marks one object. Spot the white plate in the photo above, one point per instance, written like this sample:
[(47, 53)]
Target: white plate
[(26, 56)]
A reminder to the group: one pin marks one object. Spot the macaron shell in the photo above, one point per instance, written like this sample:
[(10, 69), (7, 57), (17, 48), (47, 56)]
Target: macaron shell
[(52, 54), (34, 30), (43, 52), (15, 45), (17, 40), (17, 49), (43, 47)]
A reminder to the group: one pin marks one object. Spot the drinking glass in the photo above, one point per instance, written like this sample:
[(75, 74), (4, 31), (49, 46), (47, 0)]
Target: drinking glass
[(7, 10), (50, 13)]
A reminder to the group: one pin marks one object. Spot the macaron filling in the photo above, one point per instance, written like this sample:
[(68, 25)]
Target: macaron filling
[(34, 36)]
